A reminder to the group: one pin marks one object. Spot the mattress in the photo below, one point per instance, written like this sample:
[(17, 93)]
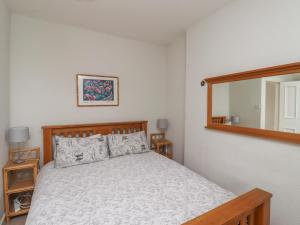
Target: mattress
[(140, 189)]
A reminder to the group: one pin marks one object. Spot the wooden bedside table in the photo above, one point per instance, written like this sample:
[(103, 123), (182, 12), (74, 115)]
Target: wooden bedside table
[(18, 179), (163, 147)]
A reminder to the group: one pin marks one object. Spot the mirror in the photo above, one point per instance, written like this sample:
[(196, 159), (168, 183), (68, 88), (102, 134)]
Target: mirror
[(264, 102)]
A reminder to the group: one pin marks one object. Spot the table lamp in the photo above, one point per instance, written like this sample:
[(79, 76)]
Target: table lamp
[(235, 119), (18, 136), (162, 124)]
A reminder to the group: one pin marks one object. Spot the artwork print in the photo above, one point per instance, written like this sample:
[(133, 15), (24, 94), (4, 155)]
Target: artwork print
[(98, 90), (94, 90)]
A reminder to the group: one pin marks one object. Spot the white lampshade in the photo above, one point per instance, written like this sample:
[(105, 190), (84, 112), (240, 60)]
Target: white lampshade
[(18, 134), (235, 119), (162, 124)]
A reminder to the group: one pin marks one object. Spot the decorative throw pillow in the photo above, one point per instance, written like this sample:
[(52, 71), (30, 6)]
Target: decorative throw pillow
[(76, 151), (124, 144), (54, 138)]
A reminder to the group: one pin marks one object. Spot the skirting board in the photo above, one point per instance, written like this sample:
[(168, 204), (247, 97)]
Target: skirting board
[(2, 219)]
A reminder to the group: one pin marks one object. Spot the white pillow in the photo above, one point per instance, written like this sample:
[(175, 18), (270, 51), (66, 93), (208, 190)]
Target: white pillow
[(124, 144), (76, 151)]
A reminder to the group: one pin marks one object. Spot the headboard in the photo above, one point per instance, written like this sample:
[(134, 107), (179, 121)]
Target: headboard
[(219, 119), (83, 130)]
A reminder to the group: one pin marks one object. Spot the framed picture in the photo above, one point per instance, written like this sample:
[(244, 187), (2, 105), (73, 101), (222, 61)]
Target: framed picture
[(95, 90)]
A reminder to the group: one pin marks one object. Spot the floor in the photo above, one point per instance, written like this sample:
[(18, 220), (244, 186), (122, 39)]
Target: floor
[(16, 221)]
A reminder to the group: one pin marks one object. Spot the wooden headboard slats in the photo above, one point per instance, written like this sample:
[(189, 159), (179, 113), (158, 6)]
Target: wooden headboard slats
[(83, 130)]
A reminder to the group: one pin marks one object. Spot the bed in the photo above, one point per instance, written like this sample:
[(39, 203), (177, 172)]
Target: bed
[(138, 189)]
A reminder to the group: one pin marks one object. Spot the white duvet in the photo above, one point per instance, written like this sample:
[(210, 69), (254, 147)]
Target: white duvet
[(139, 189)]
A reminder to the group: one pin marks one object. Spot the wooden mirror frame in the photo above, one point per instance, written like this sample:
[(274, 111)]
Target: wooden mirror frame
[(287, 69)]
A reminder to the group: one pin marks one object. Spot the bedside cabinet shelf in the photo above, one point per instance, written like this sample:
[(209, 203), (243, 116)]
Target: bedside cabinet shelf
[(18, 180), (12, 212), (21, 186)]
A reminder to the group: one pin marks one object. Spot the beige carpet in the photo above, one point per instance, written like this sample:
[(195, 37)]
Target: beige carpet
[(16, 221)]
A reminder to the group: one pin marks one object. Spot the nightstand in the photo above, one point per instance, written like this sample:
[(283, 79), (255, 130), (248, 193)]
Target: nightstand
[(163, 147), (18, 179)]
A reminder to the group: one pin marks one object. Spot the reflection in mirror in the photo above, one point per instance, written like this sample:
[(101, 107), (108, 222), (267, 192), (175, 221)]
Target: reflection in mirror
[(271, 103)]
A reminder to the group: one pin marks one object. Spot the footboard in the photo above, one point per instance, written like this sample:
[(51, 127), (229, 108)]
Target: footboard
[(252, 208)]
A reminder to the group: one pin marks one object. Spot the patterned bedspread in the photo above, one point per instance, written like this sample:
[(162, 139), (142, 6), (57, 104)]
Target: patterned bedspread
[(139, 189)]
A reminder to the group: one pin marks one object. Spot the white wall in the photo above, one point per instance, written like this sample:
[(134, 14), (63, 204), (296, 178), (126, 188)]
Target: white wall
[(242, 36), (45, 57), (221, 101), (176, 61), (270, 102), (245, 101), (4, 92)]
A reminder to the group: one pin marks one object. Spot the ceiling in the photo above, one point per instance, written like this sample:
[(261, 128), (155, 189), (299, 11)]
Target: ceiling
[(156, 21)]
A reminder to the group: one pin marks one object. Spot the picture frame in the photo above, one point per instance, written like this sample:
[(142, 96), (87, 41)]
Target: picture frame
[(97, 90)]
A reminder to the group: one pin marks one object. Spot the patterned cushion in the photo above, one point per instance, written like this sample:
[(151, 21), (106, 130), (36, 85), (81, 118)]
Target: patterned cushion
[(54, 138), (124, 144), (76, 151)]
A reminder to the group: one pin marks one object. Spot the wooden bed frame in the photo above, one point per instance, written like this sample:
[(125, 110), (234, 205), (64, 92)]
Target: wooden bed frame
[(252, 208), (219, 119)]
